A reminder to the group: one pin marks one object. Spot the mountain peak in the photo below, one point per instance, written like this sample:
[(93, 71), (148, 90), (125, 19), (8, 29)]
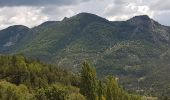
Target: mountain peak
[(142, 17), (142, 20), (88, 17), (18, 27), (48, 23), (85, 14)]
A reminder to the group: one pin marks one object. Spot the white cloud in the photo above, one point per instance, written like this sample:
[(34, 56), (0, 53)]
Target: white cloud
[(126, 9), (29, 16)]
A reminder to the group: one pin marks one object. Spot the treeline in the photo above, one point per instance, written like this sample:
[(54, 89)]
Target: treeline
[(32, 73), (23, 79)]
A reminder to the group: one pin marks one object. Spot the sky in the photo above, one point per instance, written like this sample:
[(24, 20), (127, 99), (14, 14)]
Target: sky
[(34, 12)]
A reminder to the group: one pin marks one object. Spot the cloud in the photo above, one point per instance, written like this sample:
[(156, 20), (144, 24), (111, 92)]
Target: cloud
[(34, 12), (57, 13), (163, 17), (160, 5), (29, 16), (124, 9), (38, 2), (32, 16)]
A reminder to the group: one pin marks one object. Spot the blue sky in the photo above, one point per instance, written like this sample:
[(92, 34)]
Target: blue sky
[(34, 12)]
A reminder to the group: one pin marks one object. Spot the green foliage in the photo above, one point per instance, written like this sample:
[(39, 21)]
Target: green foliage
[(38, 77), (109, 90), (100, 90), (59, 92), (88, 85), (18, 70), (46, 82), (10, 91), (115, 92)]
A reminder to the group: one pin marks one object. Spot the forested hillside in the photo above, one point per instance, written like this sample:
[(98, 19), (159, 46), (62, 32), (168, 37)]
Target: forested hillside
[(137, 51), (25, 79)]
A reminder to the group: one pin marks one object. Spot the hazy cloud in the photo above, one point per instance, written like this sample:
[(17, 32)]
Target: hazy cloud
[(160, 5)]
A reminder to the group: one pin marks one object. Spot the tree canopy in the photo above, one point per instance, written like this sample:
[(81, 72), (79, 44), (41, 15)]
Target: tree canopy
[(24, 79)]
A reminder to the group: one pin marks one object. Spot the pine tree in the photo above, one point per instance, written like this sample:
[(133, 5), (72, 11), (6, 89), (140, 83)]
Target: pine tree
[(100, 90), (112, 89), (88, 82)]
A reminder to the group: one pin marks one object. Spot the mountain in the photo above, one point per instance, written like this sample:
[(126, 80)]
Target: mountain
[(12, 36), (137, 50)]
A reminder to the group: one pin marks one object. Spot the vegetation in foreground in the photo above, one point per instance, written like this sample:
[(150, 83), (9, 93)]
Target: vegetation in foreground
[(23, 79)]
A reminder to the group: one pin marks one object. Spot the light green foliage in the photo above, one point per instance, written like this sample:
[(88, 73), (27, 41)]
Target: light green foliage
[(10, 91), (59, 92), (18, 70), (35, 75)]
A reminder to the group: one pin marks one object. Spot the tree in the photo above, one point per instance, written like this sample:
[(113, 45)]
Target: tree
[(59, 92), (111, 89), (115, 92), (100, 90), (88, 85), (10, 91)]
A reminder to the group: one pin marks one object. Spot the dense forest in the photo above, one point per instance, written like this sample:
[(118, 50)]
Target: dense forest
[(25, 79)]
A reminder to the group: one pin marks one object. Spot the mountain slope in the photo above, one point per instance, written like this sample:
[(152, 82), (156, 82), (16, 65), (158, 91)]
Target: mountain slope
[(12, 36), (136, 50)]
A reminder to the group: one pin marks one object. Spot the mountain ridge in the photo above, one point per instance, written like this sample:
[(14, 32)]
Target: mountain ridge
[(134, 50)]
